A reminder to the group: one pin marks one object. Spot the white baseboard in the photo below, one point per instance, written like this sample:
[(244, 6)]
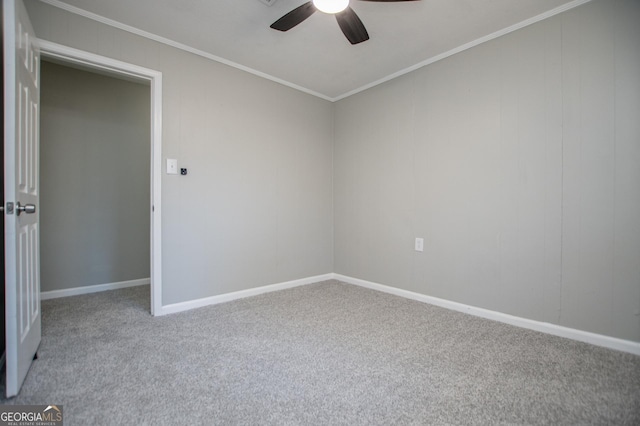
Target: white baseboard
[(227, 297), (544, 327), (54, 294)]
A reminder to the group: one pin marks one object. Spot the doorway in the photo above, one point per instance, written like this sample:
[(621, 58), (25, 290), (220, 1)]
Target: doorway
[(94, 181), (73, 58)]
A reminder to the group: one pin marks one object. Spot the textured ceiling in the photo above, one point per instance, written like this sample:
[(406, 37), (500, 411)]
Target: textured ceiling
[(315, 56)]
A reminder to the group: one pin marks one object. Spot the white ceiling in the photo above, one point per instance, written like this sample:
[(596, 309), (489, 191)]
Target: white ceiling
[(315, 56)]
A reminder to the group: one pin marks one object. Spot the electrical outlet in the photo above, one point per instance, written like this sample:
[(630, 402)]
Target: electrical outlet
[(183, 172), (419, 244)]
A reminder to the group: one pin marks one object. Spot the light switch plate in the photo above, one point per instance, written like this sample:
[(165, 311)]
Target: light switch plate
[(172, 166)]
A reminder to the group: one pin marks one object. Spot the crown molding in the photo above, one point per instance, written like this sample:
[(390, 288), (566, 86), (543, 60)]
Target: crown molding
[(137, 31), (476, 42), (128, 28)]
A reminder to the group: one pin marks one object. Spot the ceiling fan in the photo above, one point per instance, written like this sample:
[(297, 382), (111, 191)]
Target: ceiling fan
[(349, 23)]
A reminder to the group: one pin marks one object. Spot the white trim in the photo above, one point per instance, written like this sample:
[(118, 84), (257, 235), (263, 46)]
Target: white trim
[(466, 46), (68, 54), (228, 297), (544, 327), (93, 16), (178, 45), (55, 294)]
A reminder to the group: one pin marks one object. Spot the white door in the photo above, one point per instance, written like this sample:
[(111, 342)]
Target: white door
[(21, 135)]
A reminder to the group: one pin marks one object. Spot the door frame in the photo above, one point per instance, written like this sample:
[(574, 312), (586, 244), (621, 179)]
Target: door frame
[(137, 73)]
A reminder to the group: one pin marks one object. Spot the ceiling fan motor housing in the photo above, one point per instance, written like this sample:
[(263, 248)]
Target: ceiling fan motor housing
[(348, 21)]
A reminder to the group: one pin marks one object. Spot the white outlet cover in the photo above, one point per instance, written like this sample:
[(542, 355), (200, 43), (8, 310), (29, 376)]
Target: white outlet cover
[(172, 166), (419, 246)]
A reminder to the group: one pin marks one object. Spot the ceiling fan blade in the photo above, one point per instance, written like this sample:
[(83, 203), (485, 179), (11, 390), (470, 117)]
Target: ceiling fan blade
[(294, 17), (352, 26)]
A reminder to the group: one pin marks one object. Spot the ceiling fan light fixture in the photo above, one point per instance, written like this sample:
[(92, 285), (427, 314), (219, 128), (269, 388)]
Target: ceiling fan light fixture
[(331, 6)]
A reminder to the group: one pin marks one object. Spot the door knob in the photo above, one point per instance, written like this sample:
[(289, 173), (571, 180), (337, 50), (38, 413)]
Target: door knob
[(27, 208)]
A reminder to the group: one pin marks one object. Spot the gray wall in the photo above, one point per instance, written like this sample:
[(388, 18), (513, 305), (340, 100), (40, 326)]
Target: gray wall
[(518, 161), (94, 161), (256, 206)]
